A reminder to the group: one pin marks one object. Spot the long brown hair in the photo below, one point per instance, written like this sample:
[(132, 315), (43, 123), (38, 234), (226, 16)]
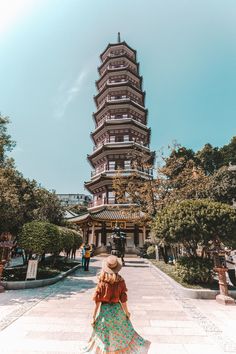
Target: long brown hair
[(109, 278)]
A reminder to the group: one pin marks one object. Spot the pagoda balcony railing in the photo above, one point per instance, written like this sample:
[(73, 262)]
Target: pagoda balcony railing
[(120, 99), (118, 67), (113, 67), (124, 116), (105, 119), (124, 142), (110, 82), (119, 53), (102, 201), (148, 172)]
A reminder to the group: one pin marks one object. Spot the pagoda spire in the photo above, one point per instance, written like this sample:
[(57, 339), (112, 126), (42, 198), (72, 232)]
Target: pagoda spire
[(118, 39)]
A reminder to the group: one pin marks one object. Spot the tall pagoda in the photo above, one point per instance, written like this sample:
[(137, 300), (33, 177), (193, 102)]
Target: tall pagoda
[(120, 128)]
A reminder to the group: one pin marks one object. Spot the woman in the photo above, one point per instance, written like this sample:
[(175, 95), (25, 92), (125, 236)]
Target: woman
[(112, 330)]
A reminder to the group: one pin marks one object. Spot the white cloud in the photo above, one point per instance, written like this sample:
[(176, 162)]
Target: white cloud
[(68, 95)]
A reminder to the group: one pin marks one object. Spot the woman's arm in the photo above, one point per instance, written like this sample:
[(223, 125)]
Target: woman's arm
[(125, 308), (97, 305)]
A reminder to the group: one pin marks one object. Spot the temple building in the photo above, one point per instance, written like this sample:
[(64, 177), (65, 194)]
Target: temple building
[(120, 128)]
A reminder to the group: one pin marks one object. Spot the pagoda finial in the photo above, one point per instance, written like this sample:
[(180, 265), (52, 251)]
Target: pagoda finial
[(118, 37)]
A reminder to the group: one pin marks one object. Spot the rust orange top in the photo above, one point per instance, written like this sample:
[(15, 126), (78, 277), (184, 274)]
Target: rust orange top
[(111, 293)]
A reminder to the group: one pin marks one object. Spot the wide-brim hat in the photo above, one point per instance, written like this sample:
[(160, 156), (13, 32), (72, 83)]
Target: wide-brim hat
[(111, 265)]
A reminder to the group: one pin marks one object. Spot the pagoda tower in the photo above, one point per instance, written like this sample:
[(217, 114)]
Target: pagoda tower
[(120, 129)]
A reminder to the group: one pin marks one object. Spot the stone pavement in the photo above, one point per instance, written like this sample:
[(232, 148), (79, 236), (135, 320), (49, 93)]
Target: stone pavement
[(56, 319)]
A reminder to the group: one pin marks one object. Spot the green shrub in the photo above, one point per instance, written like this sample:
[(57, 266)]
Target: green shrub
[(194, 270), (70, 238), (151, 252), (40, 237)]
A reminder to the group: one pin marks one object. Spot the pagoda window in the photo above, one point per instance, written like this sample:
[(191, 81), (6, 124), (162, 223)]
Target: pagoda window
[(119, 138), (127, 165), (112, 165), (111, 197), (126, 137), (112, 138)]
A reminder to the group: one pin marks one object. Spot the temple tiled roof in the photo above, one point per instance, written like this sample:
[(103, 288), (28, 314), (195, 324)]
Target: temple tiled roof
[(109, 214)]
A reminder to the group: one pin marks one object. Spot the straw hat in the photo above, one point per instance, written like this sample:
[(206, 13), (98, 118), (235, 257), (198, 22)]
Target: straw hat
[(111, 265)]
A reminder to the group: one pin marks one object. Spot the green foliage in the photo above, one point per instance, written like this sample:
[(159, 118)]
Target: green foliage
[(40, 237), (194, 270), (229, 152), (47, 206), (178, 160), (78, 239), (6, 144), (67, 238), (22, 201), (70, 238), (151, 252), (193, 222), (222, 185), (210, 158)]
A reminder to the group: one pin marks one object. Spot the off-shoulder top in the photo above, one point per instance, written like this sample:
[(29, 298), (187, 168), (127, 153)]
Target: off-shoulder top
[(110, 293)]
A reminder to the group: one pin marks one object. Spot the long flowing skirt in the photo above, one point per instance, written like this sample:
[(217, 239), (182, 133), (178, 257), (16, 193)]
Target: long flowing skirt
[(113, 333)]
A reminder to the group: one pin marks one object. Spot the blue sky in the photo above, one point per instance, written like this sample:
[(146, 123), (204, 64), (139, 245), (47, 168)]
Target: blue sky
[(49, 53)]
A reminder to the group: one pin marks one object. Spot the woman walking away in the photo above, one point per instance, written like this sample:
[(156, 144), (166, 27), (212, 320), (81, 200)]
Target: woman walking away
[(112, 330), (87, 255)]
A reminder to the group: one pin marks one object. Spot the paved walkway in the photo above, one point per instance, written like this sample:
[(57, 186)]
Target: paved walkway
[(56, 319)]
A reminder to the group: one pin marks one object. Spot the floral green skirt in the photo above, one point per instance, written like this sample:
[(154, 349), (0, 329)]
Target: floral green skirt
[(113, 333)]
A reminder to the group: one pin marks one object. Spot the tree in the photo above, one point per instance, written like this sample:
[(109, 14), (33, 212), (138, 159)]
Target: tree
[(47, 206), (196, 222), (177, 161), (6, 143), (22, 200), (137, 188), (71, 239), (229, 152), (12, 203), (222, 185), (40, 237), (178, 179), (189, 183), (210, 159)]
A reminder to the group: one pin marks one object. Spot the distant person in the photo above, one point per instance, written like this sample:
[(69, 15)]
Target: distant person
[(82, 254), (109, 247), (113, 331), (87, 256), (230, 264)]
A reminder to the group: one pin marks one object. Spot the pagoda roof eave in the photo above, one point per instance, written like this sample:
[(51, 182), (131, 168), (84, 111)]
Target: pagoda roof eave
[(117, 57), (115, 86), (111, 103), (100, 178), (123, 69), (117, 146), (117, 44), (112, 122)]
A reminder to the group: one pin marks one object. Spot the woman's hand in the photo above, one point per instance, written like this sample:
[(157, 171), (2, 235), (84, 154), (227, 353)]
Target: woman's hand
[(128, 315), (93, 322)]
